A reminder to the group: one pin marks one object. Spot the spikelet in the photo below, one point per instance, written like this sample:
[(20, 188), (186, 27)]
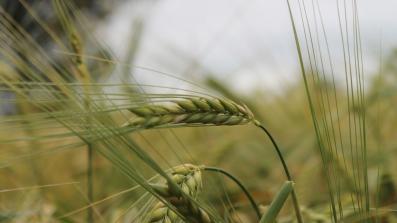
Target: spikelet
[(188, 177), (191, 112)]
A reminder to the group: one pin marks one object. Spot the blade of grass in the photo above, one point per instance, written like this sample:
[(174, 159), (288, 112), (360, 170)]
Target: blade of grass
[(277, 203)]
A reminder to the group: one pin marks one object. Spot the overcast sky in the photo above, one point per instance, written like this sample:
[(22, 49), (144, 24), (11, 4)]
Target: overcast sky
[(246, 43)]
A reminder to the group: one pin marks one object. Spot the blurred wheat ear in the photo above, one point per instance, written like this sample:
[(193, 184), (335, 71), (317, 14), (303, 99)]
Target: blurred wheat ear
[(83, 75)]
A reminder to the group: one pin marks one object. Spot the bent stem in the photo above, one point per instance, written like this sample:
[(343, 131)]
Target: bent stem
[(286, 170), (238, 182)]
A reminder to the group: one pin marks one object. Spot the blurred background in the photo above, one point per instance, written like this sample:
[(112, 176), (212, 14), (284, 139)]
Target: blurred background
[(247, 44), (242, 49)]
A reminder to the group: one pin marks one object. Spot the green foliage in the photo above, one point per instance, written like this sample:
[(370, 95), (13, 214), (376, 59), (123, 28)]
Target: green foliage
[(65, 103)]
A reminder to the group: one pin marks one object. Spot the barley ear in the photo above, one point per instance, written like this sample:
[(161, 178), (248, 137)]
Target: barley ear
[(195, 111), (188, 178)]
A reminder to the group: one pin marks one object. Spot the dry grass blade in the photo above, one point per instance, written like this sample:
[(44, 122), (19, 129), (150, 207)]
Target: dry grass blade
[(188, 177), (190, 112)]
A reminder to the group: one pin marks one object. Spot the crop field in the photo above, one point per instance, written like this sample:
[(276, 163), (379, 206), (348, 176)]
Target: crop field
[(89, 134)]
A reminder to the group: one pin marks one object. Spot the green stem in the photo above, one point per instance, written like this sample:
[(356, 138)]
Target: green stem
[(238, 182), (90, 185), (287, 173)]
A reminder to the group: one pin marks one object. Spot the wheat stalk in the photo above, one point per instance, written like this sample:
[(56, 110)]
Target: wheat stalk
[(191, 112), (188, 177)]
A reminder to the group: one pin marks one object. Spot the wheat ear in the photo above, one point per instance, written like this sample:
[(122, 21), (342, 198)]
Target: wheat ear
[(188, 177), (191, 112)]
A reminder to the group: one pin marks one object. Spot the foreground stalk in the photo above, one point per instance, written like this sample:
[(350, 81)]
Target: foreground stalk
[(286, 170), (242, 187)]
